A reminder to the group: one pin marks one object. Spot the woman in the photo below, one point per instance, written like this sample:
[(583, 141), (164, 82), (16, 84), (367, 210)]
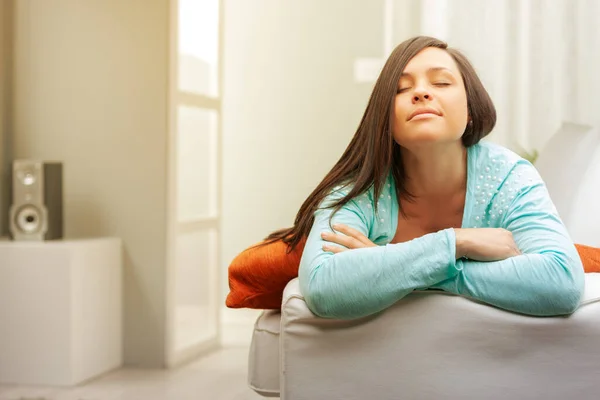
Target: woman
[(418, 201)]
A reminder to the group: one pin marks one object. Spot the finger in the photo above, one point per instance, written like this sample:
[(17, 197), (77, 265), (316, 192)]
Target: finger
[(518, 251), (346, 230), (333, 249), (344, 240)]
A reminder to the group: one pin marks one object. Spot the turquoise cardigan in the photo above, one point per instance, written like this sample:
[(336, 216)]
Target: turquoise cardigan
[(503, 190)]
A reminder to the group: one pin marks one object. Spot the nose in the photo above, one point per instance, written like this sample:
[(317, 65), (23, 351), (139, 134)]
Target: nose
[(421, 94)]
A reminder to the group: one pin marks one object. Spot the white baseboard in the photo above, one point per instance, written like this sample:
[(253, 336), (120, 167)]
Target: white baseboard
[(237, 326)]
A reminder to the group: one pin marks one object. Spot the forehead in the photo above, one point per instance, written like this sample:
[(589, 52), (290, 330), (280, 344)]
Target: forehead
[(431, 57)]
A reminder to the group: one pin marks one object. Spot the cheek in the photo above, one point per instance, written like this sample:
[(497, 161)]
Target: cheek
[(457, 109), (399, 113)]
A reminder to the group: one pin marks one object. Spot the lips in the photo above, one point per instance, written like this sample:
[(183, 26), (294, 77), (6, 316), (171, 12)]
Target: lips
[(424, 110)]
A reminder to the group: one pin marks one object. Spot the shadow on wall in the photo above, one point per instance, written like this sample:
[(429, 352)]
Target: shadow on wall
[(92, 213)]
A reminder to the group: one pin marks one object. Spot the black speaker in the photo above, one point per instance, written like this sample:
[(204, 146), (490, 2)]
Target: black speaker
[(36, 211)]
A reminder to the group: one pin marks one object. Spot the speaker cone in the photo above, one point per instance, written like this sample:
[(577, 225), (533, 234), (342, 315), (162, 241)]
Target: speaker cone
[(28, 219)]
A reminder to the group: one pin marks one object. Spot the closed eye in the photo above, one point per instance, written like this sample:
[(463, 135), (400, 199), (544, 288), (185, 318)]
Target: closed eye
[(441, 84)]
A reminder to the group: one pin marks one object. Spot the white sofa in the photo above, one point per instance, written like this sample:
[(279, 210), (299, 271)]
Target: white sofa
[(432, 345)]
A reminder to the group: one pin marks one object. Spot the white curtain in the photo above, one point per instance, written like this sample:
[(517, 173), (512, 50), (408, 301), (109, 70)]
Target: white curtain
[(539, 60)]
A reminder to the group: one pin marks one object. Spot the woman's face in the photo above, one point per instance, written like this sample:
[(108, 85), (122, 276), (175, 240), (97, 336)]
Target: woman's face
[(431, 102)]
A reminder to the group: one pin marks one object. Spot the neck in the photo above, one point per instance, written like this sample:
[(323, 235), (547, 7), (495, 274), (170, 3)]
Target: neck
[(436, 170)]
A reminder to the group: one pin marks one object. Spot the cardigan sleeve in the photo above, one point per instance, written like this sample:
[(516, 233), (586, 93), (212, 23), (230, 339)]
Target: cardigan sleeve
[(548, 278), (364, 281)]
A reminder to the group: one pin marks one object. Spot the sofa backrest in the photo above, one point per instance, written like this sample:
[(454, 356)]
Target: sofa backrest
[(570, 166)]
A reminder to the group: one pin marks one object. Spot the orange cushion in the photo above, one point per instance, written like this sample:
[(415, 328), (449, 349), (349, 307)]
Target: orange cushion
[(258, 275), (590, 257)]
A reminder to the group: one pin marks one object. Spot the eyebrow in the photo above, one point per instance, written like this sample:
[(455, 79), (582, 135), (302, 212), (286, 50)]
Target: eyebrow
[(432, 69)]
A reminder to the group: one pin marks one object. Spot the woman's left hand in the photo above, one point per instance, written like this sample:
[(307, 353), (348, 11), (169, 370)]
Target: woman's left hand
[(350, 239)]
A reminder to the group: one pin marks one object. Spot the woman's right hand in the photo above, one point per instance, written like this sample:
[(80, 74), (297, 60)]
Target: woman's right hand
[(485, 244)]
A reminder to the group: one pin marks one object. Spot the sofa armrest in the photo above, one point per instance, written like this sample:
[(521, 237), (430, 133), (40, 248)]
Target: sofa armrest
[(294, 303), (292, 291), (432, 345)]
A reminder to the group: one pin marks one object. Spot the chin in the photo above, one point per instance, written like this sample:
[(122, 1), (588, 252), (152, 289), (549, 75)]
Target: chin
[(426, 137)]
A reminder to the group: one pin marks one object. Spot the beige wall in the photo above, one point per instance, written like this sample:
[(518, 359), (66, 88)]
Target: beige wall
[(290, 103), (91, 91)]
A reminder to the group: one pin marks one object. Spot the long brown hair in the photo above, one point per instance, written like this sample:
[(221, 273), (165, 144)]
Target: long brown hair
[(372, 152)]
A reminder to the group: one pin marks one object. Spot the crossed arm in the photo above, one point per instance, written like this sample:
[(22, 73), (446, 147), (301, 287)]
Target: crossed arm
[(359, 278)]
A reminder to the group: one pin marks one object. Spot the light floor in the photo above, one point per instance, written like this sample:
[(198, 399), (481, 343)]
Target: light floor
[(218, 376)]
